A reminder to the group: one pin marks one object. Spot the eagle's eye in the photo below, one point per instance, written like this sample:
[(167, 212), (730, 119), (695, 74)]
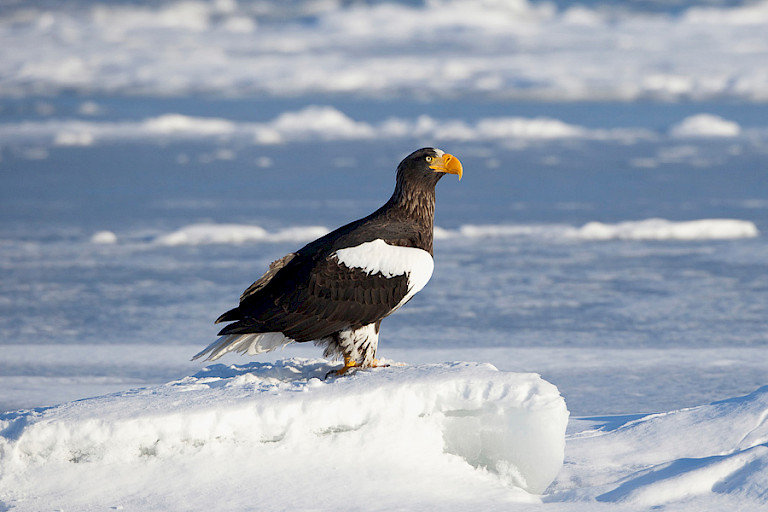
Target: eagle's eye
[(429, 159)]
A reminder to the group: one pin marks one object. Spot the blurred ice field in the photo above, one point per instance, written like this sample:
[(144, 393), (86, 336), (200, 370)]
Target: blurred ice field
[(118, 254), (148, 174)]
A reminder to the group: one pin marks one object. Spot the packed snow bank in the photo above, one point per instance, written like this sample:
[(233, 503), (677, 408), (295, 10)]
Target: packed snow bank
[(661, 229), (280, 433), (691, 455)]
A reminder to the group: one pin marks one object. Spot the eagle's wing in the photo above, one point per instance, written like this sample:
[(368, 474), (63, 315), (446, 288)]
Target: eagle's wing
[(306, 301)]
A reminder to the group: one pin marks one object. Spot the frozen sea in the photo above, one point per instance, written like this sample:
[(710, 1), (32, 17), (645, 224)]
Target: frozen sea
[(609, 233)]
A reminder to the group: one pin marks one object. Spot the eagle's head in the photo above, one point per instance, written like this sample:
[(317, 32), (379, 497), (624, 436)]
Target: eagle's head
[(426, 166)]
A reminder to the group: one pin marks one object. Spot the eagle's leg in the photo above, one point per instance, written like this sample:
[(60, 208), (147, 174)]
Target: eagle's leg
[(356, 346)]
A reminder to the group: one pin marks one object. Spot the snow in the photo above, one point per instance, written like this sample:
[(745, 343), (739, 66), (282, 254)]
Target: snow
[(515, 49), (411, 437), (328, 123), (705, 125), (177, 123), (278, 433), (647, 229), (693, 456), (208, 233), (661, 229), (104, 237), (312, 123)]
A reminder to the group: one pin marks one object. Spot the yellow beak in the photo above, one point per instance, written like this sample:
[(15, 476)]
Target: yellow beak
[(447, 163)]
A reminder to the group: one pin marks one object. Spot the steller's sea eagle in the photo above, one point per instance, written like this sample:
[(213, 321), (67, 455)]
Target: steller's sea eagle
[(336, 290)]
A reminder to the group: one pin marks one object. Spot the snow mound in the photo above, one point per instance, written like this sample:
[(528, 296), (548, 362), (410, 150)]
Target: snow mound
[(104, 237), (505, 230), (705, 125), (181, 124), (313, 122), (720, 449), (278, 433), (210, 233), (661, 229)]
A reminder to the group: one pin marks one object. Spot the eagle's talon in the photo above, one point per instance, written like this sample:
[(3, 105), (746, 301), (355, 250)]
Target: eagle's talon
[(349, 364), (352, 365)]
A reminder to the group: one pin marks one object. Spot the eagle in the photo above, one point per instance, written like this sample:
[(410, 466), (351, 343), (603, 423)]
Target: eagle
[(336, 290)]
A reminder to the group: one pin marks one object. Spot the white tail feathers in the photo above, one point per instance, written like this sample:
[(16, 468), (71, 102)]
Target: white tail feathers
[(251, 344)]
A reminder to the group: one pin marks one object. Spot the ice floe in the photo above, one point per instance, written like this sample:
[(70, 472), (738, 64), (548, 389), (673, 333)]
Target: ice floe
[(312, 123), (277, 433), (661, 229), (209, 233), (705, 125), (449, 435)]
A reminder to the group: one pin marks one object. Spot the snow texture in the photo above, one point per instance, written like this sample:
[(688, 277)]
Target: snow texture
[(273, 434), (712, 454), (454, 436)]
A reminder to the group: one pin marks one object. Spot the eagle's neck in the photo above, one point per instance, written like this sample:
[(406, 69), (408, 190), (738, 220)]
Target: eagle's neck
[(414, 203)]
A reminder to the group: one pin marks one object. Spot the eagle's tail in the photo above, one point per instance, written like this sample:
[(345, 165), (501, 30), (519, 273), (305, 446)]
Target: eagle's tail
[(251, 344), (230, 316)]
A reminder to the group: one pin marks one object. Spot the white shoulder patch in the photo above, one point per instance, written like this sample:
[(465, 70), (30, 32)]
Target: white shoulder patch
[(391, 260)]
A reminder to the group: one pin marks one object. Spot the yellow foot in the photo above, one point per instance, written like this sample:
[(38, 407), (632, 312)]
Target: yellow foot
[(350, 363)]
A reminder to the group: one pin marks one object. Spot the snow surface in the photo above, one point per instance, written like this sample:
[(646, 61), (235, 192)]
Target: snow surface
[(453, 436), (264, 436), (711, 457)]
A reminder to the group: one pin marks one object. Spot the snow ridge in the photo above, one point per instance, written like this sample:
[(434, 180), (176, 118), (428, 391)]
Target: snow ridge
[(691, 455)]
